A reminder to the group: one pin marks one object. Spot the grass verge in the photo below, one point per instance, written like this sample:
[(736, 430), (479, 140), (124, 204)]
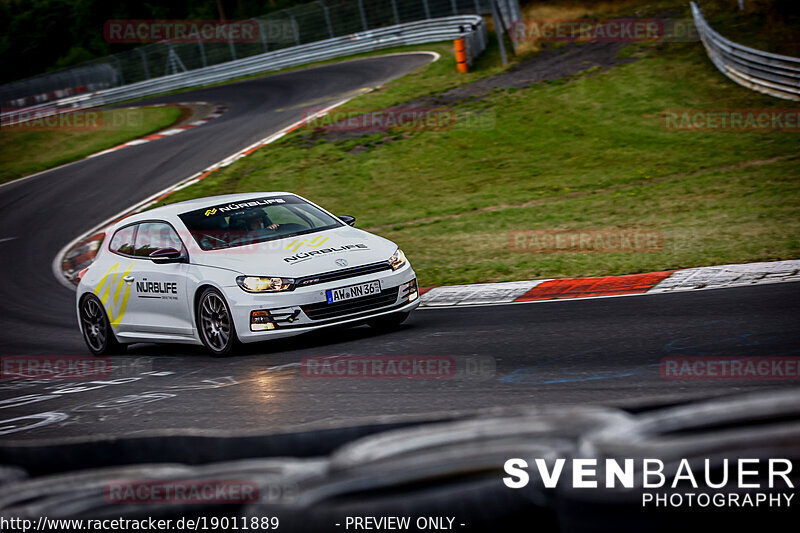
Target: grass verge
[(586, 152), (32, 147)]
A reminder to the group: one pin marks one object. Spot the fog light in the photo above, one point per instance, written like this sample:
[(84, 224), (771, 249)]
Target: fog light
[(261, 321), (409, 290)]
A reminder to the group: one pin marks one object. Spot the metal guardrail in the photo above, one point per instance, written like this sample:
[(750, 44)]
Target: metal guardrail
[(301, 24), (471, 28), (760, 71)]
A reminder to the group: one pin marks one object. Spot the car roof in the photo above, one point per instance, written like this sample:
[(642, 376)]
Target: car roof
[(173, 210)]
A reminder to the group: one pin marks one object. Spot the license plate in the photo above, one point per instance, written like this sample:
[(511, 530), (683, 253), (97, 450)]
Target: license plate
[(351, 292)]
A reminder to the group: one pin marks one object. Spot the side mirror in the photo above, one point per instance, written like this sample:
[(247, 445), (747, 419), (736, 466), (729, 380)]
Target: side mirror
[(347, 219), (163, 256)]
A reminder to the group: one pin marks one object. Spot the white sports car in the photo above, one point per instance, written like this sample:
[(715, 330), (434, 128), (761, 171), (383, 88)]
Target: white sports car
[(239, 268)]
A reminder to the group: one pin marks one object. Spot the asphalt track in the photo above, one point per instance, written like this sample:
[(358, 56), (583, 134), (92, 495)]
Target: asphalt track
[(580, 351), (40, 215)]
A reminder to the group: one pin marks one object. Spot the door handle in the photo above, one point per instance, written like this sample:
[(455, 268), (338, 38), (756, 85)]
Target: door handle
[(128, 279)]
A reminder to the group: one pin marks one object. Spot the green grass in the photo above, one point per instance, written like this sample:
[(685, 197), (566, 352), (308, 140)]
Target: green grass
[(25, 150), (584, 153)]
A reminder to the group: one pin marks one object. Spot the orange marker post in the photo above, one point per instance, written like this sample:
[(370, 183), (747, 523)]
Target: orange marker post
[(461, 55)]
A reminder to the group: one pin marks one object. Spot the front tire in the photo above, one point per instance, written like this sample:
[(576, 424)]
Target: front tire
[(215, 323), (388, 322), (97, 331)]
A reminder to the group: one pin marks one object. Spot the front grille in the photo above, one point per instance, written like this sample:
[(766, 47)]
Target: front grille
[(343, 274), (324, 310)]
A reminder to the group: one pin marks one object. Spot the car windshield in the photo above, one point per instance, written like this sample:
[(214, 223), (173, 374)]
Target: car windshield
[(255, 220)]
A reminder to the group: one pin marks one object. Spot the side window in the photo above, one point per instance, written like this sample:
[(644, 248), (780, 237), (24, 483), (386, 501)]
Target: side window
[(122, 241), (153, 236)]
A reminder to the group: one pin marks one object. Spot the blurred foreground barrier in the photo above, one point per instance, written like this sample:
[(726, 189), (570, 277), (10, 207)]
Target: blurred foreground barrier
[(447, 469)]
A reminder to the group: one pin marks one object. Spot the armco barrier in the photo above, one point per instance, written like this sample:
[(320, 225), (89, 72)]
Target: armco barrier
[(760, 71), (471, 28)]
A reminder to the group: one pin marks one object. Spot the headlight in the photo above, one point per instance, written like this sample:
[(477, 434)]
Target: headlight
[(398, 259), (265, 284)]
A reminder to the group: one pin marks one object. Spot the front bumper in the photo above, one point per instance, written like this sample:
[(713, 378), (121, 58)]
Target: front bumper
[(306, 309)]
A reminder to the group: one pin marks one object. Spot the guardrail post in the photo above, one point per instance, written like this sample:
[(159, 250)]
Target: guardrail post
[(427, 9), (363, 16), (516, 12), (144, 63), (454, 7), (119, 69), (202, 51), (170, 67), (509, 12), (395, 13), (327, 17), (263, 33), (174, 62), (498, 25), (232, 48), (461, 55), (295, 31)]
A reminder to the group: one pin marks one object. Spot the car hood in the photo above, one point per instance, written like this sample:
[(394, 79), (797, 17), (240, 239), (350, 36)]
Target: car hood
[(303, 255)]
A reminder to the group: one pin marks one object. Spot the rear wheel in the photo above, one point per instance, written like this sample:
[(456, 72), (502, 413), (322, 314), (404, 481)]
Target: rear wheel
[(388, 322), (215, 322), (97, 331)]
